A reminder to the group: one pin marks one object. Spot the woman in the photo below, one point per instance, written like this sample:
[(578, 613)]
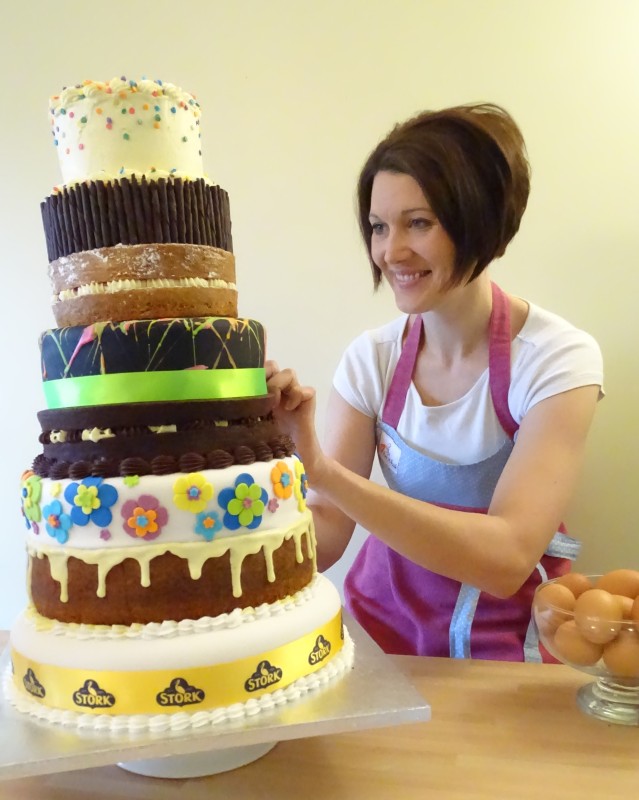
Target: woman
[(477, 403)]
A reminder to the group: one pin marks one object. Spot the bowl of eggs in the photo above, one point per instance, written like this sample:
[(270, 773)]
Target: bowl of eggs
[(591, 623)]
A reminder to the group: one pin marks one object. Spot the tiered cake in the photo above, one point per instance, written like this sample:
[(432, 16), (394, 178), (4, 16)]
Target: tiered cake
[(172, 575)]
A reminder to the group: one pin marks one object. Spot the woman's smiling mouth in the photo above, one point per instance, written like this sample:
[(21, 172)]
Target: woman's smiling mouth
[(407, 278)]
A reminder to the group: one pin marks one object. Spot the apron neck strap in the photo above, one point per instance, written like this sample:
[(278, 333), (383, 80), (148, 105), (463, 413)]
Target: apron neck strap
[(498, 366), (499, 360), (398, 389)]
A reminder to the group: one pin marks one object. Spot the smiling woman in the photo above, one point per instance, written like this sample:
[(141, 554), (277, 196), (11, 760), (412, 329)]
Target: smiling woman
[(477, 403), (409, 244), (470, 162)]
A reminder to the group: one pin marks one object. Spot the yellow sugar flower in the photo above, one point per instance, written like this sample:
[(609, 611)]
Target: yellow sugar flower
[(192, 492), (282, 480)]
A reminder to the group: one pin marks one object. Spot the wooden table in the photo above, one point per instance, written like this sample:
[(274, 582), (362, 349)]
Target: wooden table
[(498, 730)]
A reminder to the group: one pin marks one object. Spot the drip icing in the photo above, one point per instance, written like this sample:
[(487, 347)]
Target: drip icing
[(195, 553)]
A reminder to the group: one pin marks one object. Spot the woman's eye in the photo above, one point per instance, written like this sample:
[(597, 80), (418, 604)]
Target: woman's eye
[(377, 228), (420, 222)]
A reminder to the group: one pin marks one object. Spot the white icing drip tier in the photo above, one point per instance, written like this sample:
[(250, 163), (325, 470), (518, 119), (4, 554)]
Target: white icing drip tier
[(283, 625), (194, 553), (119, 128)]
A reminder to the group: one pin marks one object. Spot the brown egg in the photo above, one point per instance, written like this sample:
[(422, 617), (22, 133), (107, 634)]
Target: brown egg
[(620, 581), (576, 582), (626, 605), (598, 615), (553, 605), (571, 646), (621, 656)]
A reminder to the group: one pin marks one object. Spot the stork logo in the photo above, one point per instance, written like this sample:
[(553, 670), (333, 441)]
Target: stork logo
[(33, 685), (320, 651), (180, 693), (264, 676), (91, 695), (388, 452)]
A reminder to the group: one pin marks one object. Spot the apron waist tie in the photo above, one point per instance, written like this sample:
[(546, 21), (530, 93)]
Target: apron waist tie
[(560, 546)]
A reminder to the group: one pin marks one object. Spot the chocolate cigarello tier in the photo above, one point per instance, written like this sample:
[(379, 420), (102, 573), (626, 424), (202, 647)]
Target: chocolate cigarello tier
[(130, 211)]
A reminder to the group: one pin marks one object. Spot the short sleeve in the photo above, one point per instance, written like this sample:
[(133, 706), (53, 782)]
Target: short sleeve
[(555, 358), (358, 379)]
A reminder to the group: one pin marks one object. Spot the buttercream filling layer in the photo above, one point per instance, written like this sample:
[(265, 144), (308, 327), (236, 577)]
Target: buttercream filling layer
[(113, 287)]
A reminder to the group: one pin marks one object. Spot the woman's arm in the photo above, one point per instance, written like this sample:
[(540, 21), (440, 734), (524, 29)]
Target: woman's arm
[(497, 551), (349, 441)]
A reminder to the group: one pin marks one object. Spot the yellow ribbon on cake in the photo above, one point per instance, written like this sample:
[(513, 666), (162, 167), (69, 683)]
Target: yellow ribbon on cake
[(145, 387), (170, 691)]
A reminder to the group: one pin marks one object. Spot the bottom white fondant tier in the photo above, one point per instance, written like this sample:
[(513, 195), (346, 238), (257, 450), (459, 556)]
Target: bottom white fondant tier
[(177, 676)]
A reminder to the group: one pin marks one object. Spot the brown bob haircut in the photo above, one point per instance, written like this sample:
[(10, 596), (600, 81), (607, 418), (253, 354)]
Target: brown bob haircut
[(470, 162)]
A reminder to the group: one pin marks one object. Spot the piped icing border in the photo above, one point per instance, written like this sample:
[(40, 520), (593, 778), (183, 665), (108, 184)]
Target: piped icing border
[(164, 463)]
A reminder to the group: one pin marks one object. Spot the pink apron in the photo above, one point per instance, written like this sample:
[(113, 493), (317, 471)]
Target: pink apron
[(408, 609)]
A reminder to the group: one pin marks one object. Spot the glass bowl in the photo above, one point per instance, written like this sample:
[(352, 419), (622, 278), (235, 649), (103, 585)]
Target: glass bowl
[(586, 622)]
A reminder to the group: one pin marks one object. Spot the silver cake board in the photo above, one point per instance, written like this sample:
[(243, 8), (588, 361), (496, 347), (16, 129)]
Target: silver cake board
[(374, 694)]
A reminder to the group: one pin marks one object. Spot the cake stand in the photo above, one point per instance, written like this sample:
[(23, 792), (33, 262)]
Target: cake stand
[(374, 694)]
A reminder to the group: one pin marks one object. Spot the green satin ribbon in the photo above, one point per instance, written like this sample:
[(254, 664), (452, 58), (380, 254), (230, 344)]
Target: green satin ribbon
[(148, 387)]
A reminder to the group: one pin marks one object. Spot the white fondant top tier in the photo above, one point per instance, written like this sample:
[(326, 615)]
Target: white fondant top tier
[(124, 127)]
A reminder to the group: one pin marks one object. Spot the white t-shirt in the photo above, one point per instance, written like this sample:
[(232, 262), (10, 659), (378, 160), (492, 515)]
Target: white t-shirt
[(548, 356)]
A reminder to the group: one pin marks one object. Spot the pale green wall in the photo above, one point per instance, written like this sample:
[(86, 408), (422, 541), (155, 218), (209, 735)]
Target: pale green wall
[(294, 94)]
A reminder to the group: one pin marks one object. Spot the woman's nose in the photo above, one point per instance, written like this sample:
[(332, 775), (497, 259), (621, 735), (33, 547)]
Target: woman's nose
[(396, 246)]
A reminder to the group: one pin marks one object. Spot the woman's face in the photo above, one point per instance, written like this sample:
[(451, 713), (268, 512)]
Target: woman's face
[(408, 243)]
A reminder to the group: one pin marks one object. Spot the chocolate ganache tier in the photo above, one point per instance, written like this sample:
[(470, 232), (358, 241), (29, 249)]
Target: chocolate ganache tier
[(158, 438)]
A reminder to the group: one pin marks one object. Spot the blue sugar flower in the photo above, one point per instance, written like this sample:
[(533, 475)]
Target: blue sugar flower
[(57, 523), (207, 524), (245, 504), (90, 501)]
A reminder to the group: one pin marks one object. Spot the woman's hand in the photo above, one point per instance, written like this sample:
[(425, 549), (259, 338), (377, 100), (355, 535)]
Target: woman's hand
[(295, 411)]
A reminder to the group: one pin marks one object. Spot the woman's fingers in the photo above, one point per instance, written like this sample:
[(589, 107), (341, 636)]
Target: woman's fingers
[(296, 395), (271, 369), (284, 384)]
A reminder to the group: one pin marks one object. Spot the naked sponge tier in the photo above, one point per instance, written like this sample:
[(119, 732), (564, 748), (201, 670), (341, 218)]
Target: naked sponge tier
[(144, 281)]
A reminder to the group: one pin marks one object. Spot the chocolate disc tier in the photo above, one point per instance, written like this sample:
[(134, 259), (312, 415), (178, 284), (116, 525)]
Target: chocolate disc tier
[(150, 281), (96, 214)]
